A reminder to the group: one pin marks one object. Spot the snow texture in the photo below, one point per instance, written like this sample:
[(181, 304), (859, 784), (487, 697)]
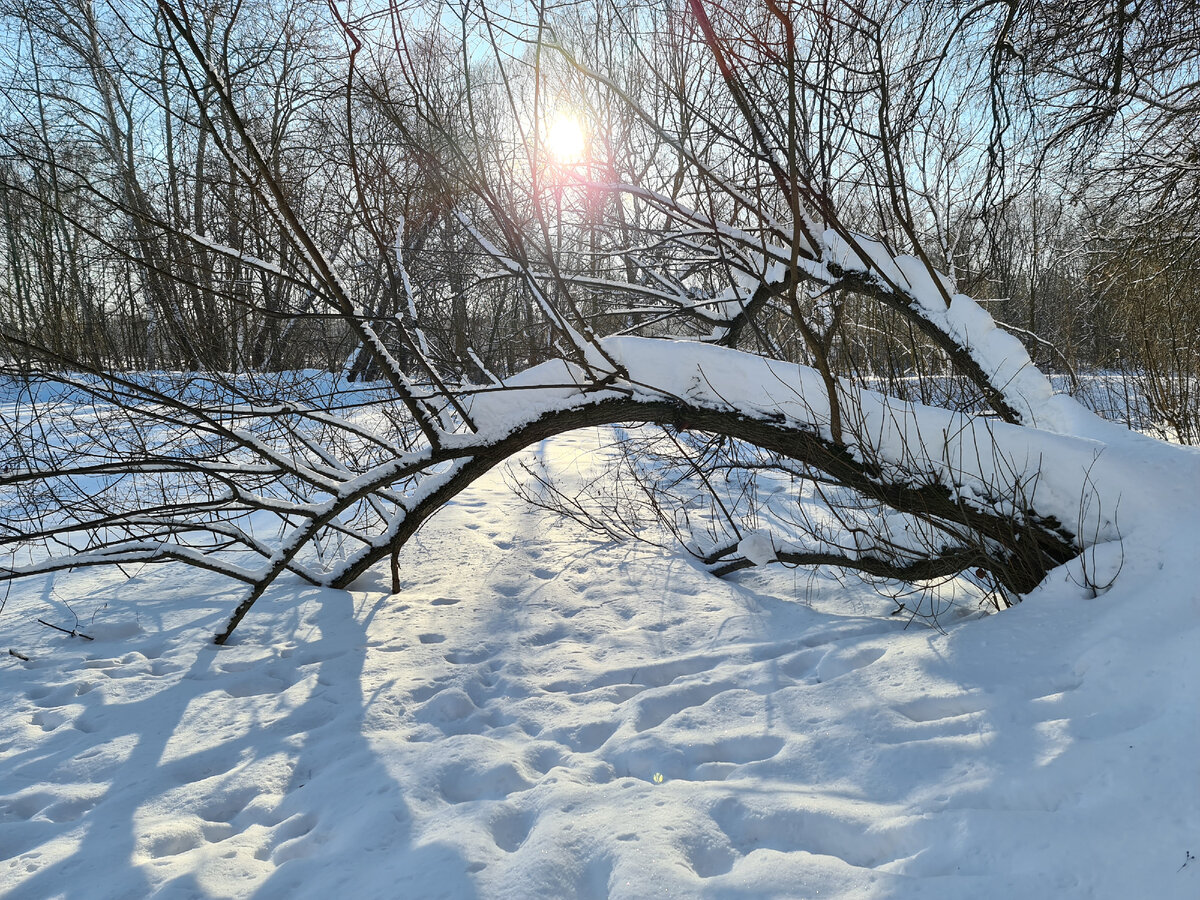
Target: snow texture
[(537, 714), (758, 547)]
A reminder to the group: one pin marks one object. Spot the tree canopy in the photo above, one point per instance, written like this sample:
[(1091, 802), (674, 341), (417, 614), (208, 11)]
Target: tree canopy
[(319, 270)]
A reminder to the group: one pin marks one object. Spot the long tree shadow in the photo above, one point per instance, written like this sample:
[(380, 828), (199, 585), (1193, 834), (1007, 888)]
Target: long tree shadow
[(248, 773)]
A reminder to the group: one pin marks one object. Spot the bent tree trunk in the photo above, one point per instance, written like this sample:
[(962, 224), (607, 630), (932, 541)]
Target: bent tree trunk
[(988, 495), (973, 483), (183, 466)]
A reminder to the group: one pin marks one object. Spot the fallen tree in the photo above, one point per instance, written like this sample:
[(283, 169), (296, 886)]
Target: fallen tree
[(742, 295)]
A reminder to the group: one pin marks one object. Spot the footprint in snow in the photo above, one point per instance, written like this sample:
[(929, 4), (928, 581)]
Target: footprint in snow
[(585, 738), (291, 839), (255, 685), (837, 663), (657, 674), (937, 709), (510, 828), (655, 708), (549, 636), (171, 839), (467, 657), (463, 782), (853, 833)]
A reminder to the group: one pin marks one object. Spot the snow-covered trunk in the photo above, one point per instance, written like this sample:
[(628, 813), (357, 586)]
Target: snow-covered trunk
[(325, 481)]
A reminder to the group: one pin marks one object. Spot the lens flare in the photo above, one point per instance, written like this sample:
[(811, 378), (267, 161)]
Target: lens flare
[(565, 139)]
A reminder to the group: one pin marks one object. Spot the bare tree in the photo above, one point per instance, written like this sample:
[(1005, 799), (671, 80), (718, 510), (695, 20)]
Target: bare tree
[(704, 266)]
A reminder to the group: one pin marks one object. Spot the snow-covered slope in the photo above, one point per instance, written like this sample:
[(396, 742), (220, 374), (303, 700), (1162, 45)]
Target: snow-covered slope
[(540, 715)]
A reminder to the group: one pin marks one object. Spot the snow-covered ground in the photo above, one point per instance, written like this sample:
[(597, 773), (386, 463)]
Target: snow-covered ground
[(537, 714)]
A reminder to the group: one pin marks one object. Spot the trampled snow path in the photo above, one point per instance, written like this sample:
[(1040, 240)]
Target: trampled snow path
[(541, 715)]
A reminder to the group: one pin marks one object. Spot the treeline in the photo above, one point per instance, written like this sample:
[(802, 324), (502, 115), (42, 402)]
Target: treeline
[(131, 238)]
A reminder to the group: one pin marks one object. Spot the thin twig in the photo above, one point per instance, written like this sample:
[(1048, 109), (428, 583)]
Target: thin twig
[(71, 632)]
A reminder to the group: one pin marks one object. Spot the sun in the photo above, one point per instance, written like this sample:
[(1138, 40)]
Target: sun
[(565, 139)]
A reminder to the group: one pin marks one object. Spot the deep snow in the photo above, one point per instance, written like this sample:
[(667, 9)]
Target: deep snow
[(537, 714)]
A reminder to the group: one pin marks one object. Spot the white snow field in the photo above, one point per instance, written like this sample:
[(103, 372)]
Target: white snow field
[(539, 714)]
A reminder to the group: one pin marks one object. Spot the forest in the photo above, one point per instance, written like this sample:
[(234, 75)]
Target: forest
[(1041, 155), (444, 201), (749, 334)]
